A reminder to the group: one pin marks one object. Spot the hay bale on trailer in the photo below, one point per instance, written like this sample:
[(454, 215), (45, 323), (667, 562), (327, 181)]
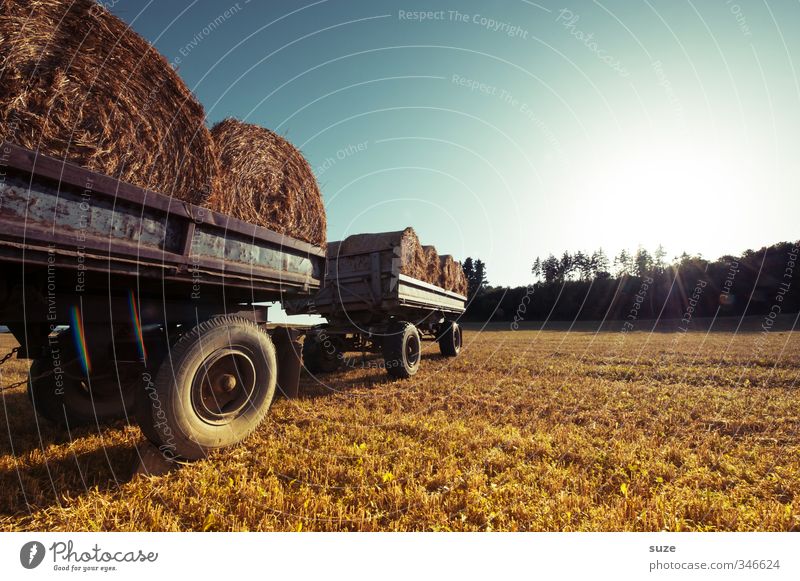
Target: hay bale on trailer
[(405, 243), (78, 84), (421, 262), (265, 180), (452, 277), (433, 269)]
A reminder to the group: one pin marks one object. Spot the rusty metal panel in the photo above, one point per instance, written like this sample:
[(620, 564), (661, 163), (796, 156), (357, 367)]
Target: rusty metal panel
[(83, 216), (212, 242), (348, 290), (304, 265), (69, 175), (47, 206), (416, 292)]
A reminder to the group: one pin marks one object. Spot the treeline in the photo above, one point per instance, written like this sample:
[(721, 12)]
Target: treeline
[(643, 285)]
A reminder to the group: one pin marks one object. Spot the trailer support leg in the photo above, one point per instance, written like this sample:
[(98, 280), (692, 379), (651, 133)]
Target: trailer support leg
[(288, 350)]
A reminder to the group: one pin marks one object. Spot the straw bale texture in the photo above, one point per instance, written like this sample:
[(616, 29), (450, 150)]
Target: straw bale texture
[(422, 262), (433, 269), (78, 84), (452, 275), (267, 181)]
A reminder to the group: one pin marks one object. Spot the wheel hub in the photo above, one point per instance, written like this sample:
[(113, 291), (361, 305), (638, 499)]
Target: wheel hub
[(227, 382), (224, 385)]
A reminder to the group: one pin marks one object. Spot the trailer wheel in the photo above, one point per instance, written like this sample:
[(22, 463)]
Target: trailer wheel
[(322, 355), (66, 398), (450, 339), (213, 389), (402, 350)]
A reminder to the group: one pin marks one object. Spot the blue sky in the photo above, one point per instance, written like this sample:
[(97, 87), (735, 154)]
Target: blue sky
[(511, 129)]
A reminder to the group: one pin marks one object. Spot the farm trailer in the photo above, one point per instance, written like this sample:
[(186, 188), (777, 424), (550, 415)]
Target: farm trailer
[(371, 306), (131, 303)]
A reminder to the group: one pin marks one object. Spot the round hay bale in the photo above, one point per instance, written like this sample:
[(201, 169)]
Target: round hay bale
[(78, 84), (265, 180), (377, 241), (405, 243), (418, 261), (433, 269), (26, 52), (452, 275)]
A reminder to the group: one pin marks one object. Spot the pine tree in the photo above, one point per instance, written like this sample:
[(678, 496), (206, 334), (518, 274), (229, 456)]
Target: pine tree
[(536, 269), (583, 265), (642, 262), (479, 278), (566, 266), (469, 268), (622, 263), (658, 259), (600, 264)]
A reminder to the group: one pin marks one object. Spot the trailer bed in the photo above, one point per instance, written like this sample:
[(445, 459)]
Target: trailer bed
[(371, 306), (370, 285), (59, 215)]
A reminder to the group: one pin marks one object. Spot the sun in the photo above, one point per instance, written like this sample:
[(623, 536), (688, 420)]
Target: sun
[(679, 194)]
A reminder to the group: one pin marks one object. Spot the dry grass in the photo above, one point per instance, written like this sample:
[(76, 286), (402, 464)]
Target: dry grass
[(524, 431)]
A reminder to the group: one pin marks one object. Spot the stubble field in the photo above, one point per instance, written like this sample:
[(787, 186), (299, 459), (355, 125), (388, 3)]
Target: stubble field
[(526, 430)]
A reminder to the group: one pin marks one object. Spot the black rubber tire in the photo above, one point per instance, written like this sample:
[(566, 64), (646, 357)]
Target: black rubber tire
[(402, 350), (450, 339), (175, 413), (67, 399), (158, 351), (322, 356)]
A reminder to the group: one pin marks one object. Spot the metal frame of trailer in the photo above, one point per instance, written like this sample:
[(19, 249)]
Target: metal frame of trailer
[(50, 207), (371, 306), (136, 275)]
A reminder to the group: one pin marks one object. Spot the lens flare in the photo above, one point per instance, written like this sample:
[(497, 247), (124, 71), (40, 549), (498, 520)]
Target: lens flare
[(137, 327), (79, 336)]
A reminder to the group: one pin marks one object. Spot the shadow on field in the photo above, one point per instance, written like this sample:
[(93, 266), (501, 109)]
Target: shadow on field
[(43, 466), (326, 384), (41, 463), (37, 481), (21, 431), (337, 382)]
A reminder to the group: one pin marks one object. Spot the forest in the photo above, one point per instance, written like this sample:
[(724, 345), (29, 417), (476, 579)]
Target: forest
[(642, 285)]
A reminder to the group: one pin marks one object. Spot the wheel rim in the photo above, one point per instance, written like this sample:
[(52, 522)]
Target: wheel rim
[(412, 350), (457, 338), (223, 386)]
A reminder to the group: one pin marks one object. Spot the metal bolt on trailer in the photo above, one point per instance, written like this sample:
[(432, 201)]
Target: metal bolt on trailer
[(132, 304)]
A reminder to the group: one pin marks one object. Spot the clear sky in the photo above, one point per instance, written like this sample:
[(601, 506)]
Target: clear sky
[(506, 130)]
